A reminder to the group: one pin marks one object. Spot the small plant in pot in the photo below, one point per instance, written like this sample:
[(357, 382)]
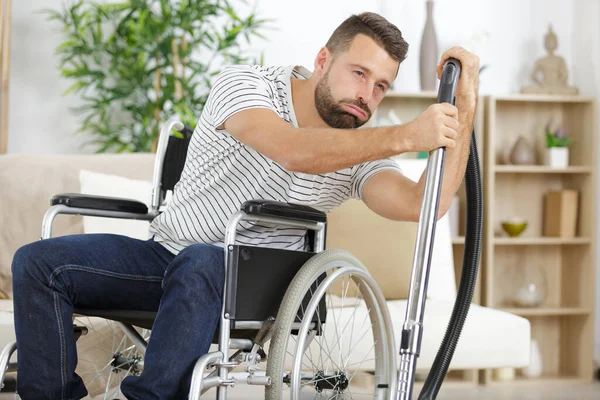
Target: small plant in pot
[(557, 146)]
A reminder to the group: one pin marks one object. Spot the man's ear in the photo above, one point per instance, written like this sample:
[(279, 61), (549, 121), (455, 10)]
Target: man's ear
[(321, 61)]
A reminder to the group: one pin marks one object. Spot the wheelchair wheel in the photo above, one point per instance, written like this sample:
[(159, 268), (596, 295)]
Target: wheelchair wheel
[(348, 355), (105, 357)]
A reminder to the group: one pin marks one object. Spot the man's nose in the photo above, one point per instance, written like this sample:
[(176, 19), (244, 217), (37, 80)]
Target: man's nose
[(365, 94)]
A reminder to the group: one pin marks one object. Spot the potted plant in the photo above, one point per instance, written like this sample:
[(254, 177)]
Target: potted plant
[(557, 147), (135, 63)]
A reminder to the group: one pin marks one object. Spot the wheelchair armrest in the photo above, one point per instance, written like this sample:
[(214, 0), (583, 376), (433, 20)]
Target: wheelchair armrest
[(93, 202), (284, 210)]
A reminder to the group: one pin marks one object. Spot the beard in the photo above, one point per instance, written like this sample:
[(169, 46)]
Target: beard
[(331, 111)]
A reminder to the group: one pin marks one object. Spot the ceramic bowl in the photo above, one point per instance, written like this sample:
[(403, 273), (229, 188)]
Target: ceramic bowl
[(513, 227)]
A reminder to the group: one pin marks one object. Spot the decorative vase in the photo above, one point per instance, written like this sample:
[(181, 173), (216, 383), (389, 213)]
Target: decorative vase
[(557, 157), (531, 286), (534, 369), (504, 374), (522, 152), (428, 57)]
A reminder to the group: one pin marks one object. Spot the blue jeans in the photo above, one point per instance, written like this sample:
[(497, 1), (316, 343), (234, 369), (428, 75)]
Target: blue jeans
[(52, 277)]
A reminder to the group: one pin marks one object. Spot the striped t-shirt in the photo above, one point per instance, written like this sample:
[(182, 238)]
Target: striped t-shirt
[(221, 173)]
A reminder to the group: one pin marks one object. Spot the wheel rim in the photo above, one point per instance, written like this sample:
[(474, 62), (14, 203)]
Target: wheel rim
[(106, 356), (350, 359)]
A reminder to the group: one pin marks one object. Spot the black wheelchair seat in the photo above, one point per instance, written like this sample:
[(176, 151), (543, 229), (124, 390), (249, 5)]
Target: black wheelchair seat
[(257, 279), (145, 319)]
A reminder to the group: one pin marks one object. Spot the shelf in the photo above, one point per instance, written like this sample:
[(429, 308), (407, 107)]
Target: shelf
[(539, 241), (563, 325), (531, 241), (411, 95), (542, 169), (547, 311), (544, 379), (544, 98)]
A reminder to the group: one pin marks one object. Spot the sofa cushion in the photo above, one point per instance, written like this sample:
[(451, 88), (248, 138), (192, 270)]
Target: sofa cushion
[(387, 247), (503, 337), (28, 182), (489, 338), (96, 183)]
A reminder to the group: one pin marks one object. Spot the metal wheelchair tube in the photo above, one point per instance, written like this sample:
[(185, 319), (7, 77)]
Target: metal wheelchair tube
[(198, 375), (412, 331), (240, 344), (230, 235), (134, 336), (161, 149), (7, 352), (53, 211)]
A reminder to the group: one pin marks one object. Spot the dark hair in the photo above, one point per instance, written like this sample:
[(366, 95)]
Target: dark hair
[(373, 25)]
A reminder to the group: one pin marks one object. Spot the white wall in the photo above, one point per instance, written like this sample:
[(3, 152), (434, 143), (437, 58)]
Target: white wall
[(40, 122), (516, 28), (586, 57), (39, 118)]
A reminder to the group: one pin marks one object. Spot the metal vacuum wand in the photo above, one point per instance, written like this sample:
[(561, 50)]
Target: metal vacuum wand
[(412, 330)]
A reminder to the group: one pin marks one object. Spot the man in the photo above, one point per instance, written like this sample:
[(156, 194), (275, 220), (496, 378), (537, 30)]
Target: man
[(277, 133)]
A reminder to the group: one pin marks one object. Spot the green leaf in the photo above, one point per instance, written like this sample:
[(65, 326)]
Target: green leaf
[(66, 45), (109, 53), (74, 87)]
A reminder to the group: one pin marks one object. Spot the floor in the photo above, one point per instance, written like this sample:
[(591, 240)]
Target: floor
[(505, 392), (549, 391)]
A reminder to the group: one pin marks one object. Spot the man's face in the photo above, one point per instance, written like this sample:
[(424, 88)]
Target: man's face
[(354, 84)]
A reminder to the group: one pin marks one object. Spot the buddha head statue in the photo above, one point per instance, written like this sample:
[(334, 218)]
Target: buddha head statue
[(550, 40)]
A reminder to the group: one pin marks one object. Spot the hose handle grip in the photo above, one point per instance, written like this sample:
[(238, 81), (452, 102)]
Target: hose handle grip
[(449, 81)]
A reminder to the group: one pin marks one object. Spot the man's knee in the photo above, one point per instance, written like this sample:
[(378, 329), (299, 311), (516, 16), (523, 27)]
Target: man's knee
[(25, 260), (35, 261), (202, 261)]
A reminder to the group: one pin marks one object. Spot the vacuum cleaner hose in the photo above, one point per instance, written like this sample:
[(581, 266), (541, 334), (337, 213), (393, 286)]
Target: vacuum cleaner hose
[(468, 278)]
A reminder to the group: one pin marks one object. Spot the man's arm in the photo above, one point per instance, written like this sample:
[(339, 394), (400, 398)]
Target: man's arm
[(323, 150), (317, 150), (396, 197)]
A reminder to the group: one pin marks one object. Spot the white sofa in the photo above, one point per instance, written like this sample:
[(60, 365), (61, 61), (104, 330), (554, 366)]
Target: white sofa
[(490, 338)]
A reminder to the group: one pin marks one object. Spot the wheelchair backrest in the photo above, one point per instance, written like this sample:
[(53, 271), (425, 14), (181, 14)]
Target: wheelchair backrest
[(171, 153), (174, 160)]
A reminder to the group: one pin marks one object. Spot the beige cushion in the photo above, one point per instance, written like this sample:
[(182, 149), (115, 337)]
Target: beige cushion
[(96, 183), (28, 182), (385, 247)]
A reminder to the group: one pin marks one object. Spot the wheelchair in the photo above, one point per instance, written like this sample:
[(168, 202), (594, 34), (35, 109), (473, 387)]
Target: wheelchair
[(315, 317)]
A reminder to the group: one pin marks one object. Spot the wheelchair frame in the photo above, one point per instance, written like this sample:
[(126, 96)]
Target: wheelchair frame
[(216, 358), (220, 377)]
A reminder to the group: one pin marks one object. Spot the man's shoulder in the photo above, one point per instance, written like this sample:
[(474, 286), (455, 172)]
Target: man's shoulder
[(267, 72)]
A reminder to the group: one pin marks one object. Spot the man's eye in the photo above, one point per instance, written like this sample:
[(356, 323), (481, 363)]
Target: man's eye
[(359, 73), (381, 87)]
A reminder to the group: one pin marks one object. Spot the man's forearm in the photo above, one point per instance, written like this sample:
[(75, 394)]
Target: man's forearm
[(318, 151), (322, 150)]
